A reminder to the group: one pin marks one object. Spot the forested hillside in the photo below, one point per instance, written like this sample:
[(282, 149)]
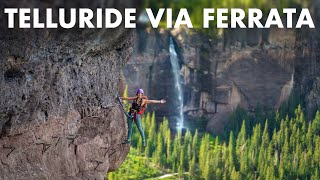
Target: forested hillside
[(289, 150)]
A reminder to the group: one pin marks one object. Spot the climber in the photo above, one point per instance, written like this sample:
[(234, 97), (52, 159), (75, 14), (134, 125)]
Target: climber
[(137, 108)]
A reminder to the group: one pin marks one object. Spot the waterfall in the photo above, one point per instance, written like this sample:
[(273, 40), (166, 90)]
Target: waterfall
[(286, 91), (174, 60)]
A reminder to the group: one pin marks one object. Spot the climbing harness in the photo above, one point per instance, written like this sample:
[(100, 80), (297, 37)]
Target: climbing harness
[(136, 106)]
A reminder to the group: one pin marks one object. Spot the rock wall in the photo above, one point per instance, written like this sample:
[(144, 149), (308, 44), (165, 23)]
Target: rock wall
[(59, 118), (307, 64)]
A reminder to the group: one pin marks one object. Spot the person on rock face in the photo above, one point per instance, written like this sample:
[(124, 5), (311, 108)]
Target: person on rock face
[(137, 108)]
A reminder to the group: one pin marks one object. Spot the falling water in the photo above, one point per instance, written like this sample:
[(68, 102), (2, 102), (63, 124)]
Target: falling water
[(177, 81)]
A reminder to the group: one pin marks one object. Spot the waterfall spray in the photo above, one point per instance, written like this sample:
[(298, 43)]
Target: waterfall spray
[(177, 80)]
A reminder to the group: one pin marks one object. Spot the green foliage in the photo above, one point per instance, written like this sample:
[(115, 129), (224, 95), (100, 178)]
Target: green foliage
[(316, 124), (126, 103), (288, 150), (135, 167)]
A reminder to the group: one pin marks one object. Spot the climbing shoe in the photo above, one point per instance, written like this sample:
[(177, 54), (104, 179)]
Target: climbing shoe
[(144, 143), (126, 142)]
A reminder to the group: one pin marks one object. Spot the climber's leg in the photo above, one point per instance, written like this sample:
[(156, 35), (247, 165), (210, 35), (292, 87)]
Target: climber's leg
[(139, 125), (129, 122)]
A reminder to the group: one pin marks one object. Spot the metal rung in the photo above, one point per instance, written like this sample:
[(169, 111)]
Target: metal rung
[(40, 141), (72, 137), (7, 147)]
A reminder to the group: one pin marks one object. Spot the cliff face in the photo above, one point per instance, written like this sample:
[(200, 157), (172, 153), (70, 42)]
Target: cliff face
[(307, 64), (246, 68), (59, 118), (218, 75)]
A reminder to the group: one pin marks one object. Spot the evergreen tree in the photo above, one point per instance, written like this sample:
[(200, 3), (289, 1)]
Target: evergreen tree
[(316, 124), (299, 116), (244, 164), (164, 127), (187, 138), (207, 172), (189, 154), (176, 148), (296, 158), (234, 174), (217, 155), (317, 152), (139, 145), (187, 147), (316, 175), (168, 146), (195, 143), (254, 145), (147, 123), (265, 136), (240, 146), (158, 152), (152, 133), (309, 136), (231, 154), (152, 128), (241, 138), (292, 152), (285, 161), (180, 172), (182, 164), (263, 151), (281, 133), (218, 174), (225, 175), (147, 150), (204, 147), (192, 166), (276, 159), (225, 161)]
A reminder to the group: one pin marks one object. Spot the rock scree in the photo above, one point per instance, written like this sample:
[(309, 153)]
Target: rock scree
[(59, 118)]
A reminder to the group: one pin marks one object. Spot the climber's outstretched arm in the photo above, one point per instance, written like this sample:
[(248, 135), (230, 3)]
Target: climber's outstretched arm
[(162, 101), (128, 98)]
